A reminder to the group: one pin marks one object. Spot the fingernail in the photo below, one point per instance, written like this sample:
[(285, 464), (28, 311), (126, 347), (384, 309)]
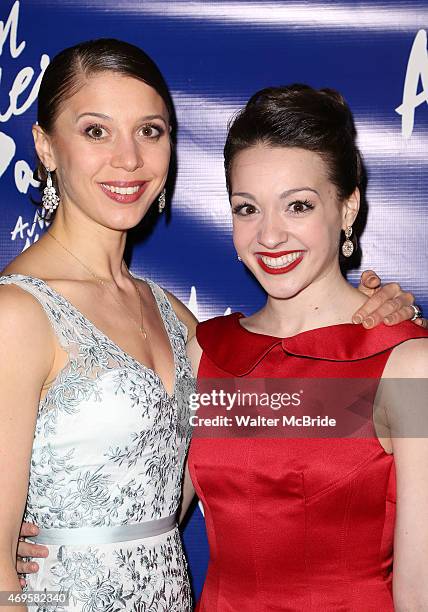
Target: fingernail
[(357, 319), (34, 530), (368, 322), (34, 567)]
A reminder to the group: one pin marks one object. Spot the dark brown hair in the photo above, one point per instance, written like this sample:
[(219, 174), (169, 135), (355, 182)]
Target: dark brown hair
[(300, 116)]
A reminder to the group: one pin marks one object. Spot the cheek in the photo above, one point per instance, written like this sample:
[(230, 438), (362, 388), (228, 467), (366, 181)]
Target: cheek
[(329, 240), (157, 157), (320, 237), (242, 234), (77, 157)]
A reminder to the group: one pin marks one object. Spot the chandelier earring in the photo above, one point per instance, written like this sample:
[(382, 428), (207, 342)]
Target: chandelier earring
[(50, 198), (162, 200), (347, 246)]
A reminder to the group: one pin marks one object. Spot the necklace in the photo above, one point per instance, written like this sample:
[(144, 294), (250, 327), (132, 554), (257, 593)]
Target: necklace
[(106, 283)]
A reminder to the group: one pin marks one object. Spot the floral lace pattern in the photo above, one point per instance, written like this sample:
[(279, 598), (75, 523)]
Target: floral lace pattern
[(144, 579), (109, 450)]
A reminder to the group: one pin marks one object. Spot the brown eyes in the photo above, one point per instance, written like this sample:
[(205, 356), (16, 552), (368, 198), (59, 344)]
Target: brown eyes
[(298, 207), (95, 131), (152, 131), (244, 210), (149, 131)]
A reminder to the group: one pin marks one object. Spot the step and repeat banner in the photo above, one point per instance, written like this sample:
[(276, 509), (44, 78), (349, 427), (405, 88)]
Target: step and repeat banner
[(214, 55)]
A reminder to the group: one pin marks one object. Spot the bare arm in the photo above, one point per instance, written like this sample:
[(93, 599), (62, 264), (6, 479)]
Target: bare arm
[(188, 493), (26, 356), (405, 381), (194, 353)]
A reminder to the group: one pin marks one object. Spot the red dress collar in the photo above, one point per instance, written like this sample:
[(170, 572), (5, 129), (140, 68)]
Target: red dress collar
[(237, 350)]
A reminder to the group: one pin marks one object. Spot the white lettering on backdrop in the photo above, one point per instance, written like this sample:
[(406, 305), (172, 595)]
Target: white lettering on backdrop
[(417, 68), (23, 83)]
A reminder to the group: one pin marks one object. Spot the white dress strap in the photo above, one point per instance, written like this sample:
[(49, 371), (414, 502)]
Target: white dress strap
[(55, 308)]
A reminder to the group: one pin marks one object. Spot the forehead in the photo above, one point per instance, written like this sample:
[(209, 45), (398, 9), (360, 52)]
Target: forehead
[(282, 166), (114, 95)]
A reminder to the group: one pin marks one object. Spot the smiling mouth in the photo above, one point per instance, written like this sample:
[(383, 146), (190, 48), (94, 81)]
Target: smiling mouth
[(124, 192), (279, 263)]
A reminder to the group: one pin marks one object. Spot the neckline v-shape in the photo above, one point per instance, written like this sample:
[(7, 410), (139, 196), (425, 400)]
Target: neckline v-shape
[(114, 344)]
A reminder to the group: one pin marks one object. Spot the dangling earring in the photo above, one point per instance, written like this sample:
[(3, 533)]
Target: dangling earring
[(50, 198), (347, 246), (162, 200), (239, 259)]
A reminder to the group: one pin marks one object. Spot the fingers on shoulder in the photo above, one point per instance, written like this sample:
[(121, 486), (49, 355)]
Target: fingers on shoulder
[(370, 279)]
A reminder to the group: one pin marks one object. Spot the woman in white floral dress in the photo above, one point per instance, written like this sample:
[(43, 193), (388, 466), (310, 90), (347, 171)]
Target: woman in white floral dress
[(92, 361)]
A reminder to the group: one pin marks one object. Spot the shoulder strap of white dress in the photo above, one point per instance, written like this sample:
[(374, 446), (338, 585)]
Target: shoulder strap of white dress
[(54, 306), (168, 314)]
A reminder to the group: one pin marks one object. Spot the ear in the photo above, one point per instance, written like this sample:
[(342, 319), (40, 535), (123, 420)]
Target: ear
[(43, 145), (350, 209)]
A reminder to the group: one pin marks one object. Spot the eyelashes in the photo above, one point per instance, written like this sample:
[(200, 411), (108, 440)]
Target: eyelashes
[(95, 127), (296, 208), (153, 127), (239, 208), (149, 131), (299, 204)]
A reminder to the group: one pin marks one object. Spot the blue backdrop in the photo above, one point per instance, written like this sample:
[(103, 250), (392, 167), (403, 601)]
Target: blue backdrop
[(214, 55)]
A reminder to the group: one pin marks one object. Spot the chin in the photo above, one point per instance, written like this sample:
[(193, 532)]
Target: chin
[(124, 220), (280, 286), (282, 293)]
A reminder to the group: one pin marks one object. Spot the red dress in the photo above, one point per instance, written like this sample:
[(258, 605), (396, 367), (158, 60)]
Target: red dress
[(296, 524)]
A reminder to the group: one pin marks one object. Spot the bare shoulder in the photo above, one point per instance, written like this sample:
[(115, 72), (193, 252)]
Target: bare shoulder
[(25, 330), (408, 360), (30, 262), (184, 314), (402, 394)]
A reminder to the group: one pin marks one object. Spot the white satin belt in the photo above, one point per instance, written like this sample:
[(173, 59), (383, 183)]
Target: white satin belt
[(105, 535)]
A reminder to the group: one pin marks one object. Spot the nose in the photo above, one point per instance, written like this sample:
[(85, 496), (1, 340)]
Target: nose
[(272, 231), (127, 154)]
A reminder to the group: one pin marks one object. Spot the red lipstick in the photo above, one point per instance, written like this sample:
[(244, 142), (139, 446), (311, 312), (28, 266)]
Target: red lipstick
[(282, 270)]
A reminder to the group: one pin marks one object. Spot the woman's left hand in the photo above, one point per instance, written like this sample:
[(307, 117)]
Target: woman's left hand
[(388, 304)]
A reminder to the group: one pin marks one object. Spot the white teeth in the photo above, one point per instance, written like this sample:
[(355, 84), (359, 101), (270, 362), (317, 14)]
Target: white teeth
[(122, 190), (280, 262)]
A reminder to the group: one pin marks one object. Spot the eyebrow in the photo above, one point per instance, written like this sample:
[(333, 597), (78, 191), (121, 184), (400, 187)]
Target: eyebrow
[(289, 192), (102, 116), (283, 195)]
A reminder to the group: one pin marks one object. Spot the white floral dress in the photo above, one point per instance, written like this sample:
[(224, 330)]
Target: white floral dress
[(108, 452)]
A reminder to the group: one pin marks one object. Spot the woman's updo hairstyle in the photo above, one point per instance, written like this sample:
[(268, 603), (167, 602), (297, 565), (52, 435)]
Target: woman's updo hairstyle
[(67, 72), (300, 116)]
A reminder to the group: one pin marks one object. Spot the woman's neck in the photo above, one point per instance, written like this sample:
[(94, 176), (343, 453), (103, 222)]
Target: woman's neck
[(327, 301), (99, 250)]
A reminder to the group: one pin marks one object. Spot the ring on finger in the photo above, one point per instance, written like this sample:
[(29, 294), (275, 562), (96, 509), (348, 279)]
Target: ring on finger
[(417, 312)]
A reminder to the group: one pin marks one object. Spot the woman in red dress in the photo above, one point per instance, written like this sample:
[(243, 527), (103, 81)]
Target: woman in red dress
[(309, 523)]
